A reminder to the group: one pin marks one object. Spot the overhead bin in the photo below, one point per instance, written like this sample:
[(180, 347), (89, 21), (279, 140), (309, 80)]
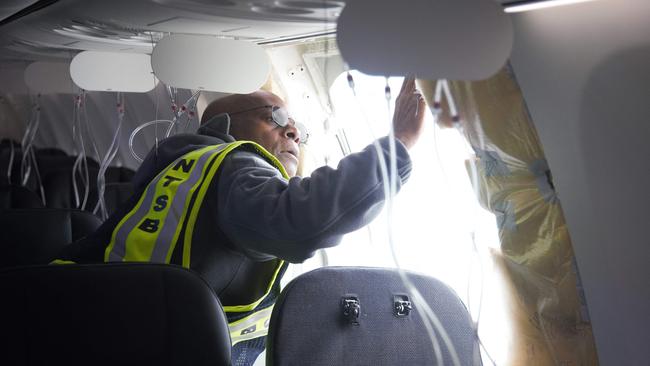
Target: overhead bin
[(447, 39), (210, 63), (113, 71)]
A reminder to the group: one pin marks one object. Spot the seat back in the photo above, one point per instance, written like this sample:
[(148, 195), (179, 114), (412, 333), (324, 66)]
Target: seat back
[(110, 314), (350, 315), (59, 188), (35, 236), (14, 196), (116, 194), (116, 174)]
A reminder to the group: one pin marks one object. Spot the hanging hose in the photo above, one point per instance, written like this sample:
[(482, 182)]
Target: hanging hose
[(11, 161), (188, 108), (442, 86), (430, 314), (89, 133), (80, 166), (138, 129), (28, 162), (110, 155), (172, 96), (38, 177), (429, 318), (27, 142)]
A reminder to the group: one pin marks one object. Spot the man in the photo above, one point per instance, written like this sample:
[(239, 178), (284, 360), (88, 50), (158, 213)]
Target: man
[(234, 211)]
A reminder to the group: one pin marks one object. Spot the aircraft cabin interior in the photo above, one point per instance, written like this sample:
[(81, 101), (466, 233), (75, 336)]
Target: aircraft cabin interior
[(511, 233)]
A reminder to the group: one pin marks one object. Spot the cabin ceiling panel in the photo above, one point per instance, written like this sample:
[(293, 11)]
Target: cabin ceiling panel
[(132, 25), (11, 7)]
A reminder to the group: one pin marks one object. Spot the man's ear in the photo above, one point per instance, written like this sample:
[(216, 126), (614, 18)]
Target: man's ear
[(218, 124)]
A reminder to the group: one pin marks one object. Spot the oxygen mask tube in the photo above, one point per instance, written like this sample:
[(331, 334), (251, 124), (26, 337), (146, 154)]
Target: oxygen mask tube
[(28, 160), (86, 124), (26, 145), (173, 92), (378, 149), (429, 314), (187, 109), (80, 165), (106, 161), (443, 89), (12, 154), (430, 320)]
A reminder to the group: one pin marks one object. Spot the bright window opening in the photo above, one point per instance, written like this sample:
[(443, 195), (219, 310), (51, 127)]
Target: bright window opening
[(439, 227)]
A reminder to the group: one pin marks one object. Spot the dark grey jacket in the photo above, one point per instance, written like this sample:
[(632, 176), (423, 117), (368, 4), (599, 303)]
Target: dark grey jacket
[(251, 215)]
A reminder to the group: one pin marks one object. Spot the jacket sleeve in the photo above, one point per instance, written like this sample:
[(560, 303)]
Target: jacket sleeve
[(266, 216)]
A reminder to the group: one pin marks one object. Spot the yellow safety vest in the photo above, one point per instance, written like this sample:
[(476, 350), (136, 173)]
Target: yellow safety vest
[(165, 216)]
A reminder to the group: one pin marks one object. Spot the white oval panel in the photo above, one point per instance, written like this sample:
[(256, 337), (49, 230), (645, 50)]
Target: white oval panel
[(49, 78), (209, 63), (442, 39), (113, 71)]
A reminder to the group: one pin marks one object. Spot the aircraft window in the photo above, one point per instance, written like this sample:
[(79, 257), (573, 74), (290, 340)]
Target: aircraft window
[(439, 227)]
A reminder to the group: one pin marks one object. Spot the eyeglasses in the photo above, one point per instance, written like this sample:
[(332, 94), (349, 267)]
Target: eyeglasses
[(280, 117)]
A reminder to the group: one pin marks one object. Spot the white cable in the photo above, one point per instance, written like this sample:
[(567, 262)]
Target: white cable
[(453, 111), (81, 163), (106, 161), (77, 151), (173, 93), (429, 318), (29, 157), (38, 177), (25, 167), (11, 160), (27, 143), (437, 98), (138, 129), (153, 78), (190, 109), (75, 189), (475, 185), (185, 110), (93, 142), (387, 196), (435, 321)]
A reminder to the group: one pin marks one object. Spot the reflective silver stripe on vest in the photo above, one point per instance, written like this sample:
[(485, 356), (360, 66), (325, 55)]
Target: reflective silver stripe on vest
[(254, 326), (119, 249), (164, 240)]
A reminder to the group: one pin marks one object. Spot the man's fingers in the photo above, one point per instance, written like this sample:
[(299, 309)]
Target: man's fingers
[(421, 105), (408, 84)]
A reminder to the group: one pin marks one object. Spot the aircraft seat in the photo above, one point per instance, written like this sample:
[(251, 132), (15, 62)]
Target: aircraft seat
[(115, 194), (59, 190), (115, 174), (367, 316), (15, 196), (50, 151), (35, 236), (110, 314)]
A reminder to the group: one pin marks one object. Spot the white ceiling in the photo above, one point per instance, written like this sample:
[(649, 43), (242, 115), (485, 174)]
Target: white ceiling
[(66, 27)]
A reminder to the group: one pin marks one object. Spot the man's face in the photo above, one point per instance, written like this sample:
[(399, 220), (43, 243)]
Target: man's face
[(258, 126)]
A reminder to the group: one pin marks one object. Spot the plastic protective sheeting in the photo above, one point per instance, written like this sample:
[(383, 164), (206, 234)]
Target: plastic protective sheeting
[(49, 78), (113, 71), (456, 39), (209, 63), (545, 298)]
